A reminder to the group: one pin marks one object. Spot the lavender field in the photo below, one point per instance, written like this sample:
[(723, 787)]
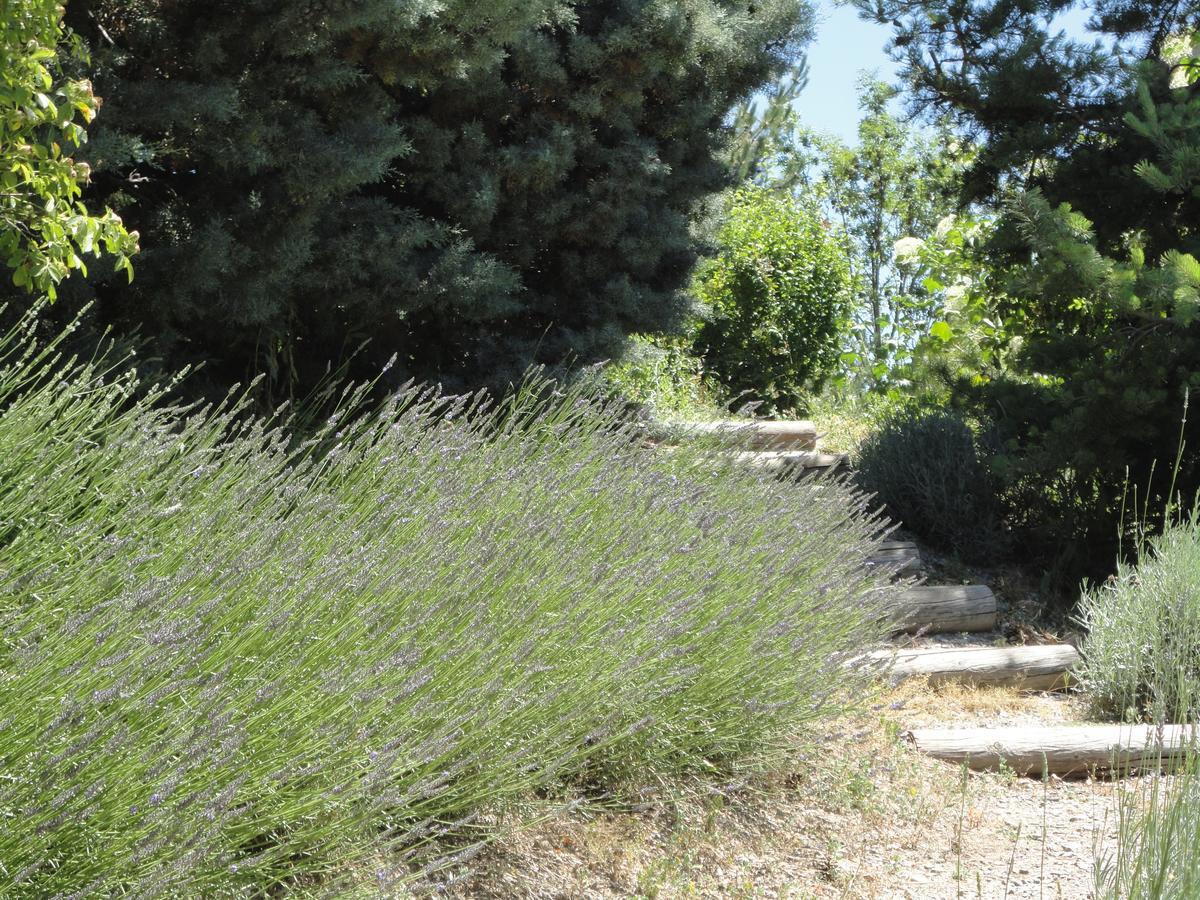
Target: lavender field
[(237, 660)]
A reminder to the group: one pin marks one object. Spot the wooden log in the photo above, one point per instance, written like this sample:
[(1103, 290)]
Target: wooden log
[(786, 462), (900, 556), (941, 609), (1059, 750), (761, 435), (782, 463), (1030, 668)]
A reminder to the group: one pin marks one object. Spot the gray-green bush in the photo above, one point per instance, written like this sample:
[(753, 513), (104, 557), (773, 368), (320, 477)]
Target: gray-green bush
[(930, 471), (1142, 654), (237, 662)]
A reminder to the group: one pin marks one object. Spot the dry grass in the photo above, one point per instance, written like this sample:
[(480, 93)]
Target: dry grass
[(847, 819), (814, 830), (857, 814), (916, 704)]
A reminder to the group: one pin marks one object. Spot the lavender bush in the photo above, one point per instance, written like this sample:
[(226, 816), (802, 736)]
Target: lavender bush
[(238, 662), (1141, 659)]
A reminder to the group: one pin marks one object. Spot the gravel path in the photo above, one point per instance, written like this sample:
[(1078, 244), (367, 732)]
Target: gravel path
[(1011, 838), (881, 822)]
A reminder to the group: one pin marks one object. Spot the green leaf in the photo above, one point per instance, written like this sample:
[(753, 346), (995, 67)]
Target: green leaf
[(942, 331)]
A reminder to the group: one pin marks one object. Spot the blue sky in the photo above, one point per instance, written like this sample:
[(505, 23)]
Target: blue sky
[(845, 46)]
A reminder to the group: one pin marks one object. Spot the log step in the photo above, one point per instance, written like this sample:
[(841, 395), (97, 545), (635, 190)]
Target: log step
[(790, 461), (1059, 750), (1030, 668), (942, 609), (781, 435), (902, 556)]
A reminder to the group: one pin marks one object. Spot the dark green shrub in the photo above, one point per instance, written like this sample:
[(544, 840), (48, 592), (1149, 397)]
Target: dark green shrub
[(931, 472), (1086, 292), (1102, 353), (776, 298)]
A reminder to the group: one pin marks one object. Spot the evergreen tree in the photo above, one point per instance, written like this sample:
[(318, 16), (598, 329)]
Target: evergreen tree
[(1092, 148), (475, 185), (1046, 109), (764, 126)]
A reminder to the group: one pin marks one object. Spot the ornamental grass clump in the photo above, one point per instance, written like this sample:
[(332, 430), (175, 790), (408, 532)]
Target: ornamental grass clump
[(239, 661), (1156, 855)]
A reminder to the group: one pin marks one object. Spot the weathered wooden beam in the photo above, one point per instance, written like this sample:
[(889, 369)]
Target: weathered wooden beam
[(945, 608), (760, 435), (900, 556), (790, 461), (1059, 750), (1032, 668)]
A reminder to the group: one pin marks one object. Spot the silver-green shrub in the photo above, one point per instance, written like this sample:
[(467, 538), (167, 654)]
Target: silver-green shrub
[(1141, 658), (234, 661)]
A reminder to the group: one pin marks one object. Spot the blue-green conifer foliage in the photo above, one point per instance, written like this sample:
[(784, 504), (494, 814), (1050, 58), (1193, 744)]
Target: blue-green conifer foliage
[(473, 185)]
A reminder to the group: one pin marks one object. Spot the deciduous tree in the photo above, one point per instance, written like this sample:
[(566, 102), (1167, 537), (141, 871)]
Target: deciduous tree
[(45, 229), (776, 300)]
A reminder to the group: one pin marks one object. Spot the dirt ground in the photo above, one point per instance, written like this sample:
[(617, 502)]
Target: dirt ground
[(876, 820)]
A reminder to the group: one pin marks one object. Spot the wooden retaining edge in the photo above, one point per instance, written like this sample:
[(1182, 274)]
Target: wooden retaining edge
[(941, 609), (779, 462), (901, 556), (1059, 750), (761, 435), (1030, 668), (787, 461)]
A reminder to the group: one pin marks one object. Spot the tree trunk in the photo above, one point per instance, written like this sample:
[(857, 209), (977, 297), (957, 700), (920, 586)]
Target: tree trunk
[(901, 556), (784, 461), (782, 435)]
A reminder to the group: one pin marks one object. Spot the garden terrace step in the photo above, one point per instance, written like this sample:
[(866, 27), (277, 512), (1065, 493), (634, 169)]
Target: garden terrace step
[(902, 556), (948, 608), (781, 435), (1059, 750), (1030, 668), (791, 461)]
